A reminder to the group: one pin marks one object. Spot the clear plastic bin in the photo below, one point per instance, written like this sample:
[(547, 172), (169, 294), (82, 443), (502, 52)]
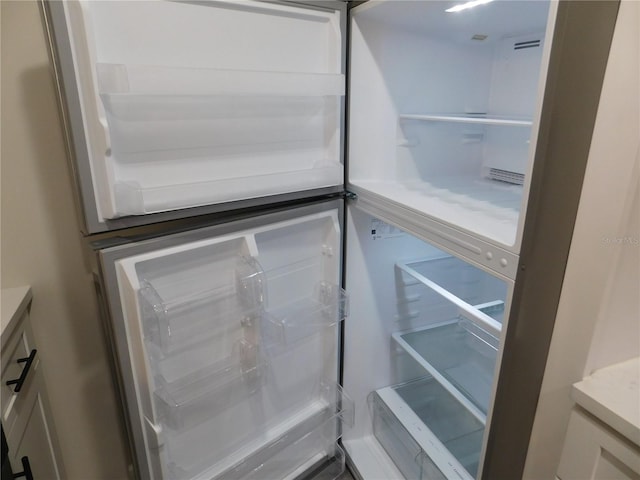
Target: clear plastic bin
[(175, 317), (328, 306)]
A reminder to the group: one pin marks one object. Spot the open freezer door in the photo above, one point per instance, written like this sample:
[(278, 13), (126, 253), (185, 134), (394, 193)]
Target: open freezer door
[(175, 105), (227, 342)]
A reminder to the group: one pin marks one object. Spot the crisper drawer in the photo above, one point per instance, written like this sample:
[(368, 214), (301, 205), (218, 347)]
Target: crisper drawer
[(425, 431)]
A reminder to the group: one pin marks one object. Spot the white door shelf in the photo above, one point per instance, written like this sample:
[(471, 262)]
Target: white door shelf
[(180, 137), (478, 119), (165, 82)]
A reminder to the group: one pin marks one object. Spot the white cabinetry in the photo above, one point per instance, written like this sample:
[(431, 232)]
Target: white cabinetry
[(603, 439), (26, 416)]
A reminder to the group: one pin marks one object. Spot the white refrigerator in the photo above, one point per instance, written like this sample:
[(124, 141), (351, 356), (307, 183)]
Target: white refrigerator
[(329, 233)]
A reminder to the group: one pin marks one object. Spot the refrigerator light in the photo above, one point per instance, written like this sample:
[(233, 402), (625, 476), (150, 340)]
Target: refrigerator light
[(467, 5)]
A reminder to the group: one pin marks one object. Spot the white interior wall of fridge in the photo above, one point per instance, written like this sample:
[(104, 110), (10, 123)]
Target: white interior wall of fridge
[(421, 349), (233, 344), (457, 96), (195, 103)]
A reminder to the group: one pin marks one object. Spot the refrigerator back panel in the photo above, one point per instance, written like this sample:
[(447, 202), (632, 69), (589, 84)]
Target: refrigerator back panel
[(457, 104), (186, 104), (233, 348)]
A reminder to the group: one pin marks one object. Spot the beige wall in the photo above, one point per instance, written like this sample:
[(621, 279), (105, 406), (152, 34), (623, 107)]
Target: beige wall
[(41, 246)]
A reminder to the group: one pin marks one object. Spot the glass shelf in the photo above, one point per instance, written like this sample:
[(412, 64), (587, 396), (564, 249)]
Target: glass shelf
[(471, 292), (459, 356), (480, 119)]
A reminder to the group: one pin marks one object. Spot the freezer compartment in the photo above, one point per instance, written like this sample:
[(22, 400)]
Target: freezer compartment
[(456, 111), (288, 323), (300, 429), (178, 313), (458, 355), (426, 432)]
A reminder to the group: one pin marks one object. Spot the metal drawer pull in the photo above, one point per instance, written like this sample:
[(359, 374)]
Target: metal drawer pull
[(26, 469), (23, 376)]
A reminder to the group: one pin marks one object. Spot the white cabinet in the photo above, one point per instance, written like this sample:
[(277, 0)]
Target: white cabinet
[(603, 438), (26, 416)]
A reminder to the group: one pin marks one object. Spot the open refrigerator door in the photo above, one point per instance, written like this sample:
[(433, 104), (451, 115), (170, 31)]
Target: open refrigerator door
[(231, 344)]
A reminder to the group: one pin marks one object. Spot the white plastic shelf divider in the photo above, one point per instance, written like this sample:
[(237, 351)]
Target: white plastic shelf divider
[(473, 119)]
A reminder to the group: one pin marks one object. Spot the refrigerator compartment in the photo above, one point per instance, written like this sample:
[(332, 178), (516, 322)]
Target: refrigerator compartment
[(175, 315), (459, 356), (462, 288), (327, 406), (439, 437), (181, 137), (189, 400), (326, 307)]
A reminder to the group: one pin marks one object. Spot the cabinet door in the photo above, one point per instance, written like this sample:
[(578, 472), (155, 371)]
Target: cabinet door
[(31, 436), (227, 339), (175, 105), (594, 451)]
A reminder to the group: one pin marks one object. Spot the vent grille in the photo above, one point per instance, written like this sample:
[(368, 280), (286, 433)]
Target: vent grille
[(506, 176), (528, 44)]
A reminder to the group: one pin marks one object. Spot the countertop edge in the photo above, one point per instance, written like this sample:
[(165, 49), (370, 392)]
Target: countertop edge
[(14, 303), (612, 394)]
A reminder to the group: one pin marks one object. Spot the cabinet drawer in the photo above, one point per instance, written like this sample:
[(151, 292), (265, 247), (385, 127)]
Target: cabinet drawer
[(19, 347)]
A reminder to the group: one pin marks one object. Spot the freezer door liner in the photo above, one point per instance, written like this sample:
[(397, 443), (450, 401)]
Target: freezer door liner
[(233, 343), (246, 102)]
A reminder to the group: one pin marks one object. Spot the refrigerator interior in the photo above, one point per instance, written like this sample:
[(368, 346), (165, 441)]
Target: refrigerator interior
[(421, 349), (453, 127), (233, 345), (195, 103)]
